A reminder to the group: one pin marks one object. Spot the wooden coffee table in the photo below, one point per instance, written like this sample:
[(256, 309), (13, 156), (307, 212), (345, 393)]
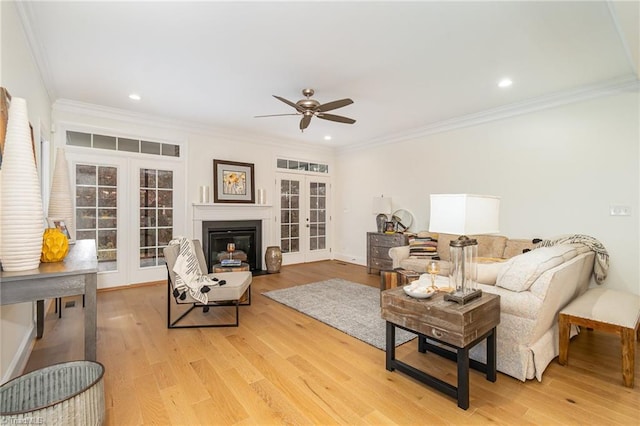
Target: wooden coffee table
[(459, 327)]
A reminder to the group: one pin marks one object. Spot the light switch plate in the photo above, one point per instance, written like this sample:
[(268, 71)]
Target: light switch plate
[(620, 210)]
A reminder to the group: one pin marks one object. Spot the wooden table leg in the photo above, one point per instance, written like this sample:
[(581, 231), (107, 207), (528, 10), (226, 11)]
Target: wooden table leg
[(90, 317), (628, 337), (564, 330), (463, 378)]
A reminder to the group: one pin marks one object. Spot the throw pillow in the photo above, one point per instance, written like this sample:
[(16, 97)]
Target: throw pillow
[(523, 270), (423, 248), (488, 272)]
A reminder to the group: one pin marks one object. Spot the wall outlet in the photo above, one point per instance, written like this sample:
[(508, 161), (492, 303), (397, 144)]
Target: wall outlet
[(620, 210)]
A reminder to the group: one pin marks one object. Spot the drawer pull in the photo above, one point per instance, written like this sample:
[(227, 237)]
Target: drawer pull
[(437, 333)]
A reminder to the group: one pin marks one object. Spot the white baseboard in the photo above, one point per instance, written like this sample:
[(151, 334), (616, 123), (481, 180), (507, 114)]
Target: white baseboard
[(350, 259)]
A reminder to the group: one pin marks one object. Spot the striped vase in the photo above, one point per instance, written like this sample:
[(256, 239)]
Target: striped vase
[(22, 218)]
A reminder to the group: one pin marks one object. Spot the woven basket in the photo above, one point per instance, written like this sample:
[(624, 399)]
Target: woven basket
[(70, 393)]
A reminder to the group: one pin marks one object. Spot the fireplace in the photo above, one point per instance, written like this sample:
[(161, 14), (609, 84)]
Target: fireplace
[(245, 234)]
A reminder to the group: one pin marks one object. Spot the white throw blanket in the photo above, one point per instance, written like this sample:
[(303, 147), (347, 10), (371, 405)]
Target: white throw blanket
[(189, 276), (601, 267)]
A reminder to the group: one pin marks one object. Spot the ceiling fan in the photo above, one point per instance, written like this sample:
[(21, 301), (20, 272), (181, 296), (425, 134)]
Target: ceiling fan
[(310, 107)]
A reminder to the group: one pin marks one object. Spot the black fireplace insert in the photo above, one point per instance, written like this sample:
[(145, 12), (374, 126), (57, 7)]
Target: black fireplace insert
[(245, 234)]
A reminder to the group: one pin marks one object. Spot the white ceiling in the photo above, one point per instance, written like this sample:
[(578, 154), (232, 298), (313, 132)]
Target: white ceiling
[(407, 66)]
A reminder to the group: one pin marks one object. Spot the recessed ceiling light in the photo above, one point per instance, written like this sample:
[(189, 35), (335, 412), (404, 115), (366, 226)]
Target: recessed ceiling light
[(327, 138), (505, 82), (135, 97)]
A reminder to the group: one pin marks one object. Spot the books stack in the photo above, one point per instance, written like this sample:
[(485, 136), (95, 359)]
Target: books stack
[(230, 262)]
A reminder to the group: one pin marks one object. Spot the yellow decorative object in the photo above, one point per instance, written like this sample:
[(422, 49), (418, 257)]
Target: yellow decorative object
[(55, 245)]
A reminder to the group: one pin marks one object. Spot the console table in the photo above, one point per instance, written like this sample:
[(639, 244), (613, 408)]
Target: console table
[(77, 274), (459, 327)]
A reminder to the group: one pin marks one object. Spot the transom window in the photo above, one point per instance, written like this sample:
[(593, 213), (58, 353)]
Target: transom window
[(303, 166), (113, 143)]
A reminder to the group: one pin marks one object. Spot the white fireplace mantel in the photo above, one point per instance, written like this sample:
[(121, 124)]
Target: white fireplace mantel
[(235, 211)]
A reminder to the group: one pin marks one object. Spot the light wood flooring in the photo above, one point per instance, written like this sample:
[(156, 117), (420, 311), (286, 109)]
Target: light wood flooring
[(283, 367)]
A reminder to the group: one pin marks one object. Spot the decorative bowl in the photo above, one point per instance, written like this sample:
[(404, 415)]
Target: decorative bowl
[(419, 291)]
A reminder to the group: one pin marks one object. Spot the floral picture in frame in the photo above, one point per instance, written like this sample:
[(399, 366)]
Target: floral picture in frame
[(233, 182), (60, 224)]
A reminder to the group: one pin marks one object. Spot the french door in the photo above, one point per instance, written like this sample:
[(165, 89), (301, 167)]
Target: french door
[(303, 217), (128, 205)]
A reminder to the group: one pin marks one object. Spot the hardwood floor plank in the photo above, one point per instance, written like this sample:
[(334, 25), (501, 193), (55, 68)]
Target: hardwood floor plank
[(150, 401), (164, 375), (261, 413), (283, 367), (179, 410), (226, 407), (285, 410)]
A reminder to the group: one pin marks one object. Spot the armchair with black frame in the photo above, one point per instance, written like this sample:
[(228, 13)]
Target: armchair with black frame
[(229, 289)]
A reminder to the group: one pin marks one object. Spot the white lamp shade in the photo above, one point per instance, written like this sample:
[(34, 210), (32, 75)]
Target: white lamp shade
[(464, 214), (381, 205)]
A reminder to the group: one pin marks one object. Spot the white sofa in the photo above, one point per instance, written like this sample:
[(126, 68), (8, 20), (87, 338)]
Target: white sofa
[(533, 287)]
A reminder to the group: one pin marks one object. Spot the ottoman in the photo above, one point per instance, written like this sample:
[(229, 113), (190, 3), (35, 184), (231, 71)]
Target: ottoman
[(606, 310)]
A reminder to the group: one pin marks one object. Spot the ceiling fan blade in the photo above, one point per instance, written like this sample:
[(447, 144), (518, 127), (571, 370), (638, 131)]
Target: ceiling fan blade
[(304, 123), (334, 105), (338, 118), (297, 107), (273, 115)]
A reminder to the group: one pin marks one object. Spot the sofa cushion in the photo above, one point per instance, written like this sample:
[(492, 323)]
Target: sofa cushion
[(423, 248), (490, 245), (515, 247), (443, 245), (523, 270)]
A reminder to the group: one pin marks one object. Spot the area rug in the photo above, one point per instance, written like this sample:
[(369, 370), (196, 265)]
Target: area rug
[(350, 307)]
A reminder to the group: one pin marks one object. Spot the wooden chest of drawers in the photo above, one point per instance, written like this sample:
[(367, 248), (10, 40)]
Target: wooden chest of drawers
[(378, 245)]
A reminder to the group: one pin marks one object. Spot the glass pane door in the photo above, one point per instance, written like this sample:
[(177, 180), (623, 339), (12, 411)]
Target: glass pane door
[(303, 218), (317, 216), (290, 215), (156, 215), (130, 208), (97, 211)]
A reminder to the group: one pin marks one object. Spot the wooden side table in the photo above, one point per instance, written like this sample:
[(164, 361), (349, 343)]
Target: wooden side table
[(219, 268), (397, 278), (459, 327), (607, 310)]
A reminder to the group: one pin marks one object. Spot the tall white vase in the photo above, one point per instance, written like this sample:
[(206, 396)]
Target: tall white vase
[(60, 202), (22, 220)]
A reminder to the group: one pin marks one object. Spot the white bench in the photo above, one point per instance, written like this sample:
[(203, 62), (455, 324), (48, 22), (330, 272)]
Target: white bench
[(606, 310)]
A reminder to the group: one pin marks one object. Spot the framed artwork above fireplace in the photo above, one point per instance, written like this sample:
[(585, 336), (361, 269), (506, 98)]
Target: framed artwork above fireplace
[(233, 182)]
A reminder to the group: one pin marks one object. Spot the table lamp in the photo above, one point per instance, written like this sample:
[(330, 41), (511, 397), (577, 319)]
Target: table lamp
[(381, 208), (464, 214)]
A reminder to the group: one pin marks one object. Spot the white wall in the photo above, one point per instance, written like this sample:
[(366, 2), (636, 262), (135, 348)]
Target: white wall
[(20, 75), (557, 171)]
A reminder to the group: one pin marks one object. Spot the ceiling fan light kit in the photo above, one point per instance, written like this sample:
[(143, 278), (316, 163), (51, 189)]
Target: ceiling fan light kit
[(309, 108)]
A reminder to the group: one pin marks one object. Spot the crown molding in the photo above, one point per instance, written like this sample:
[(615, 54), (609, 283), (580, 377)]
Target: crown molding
[(25, 13), (585, 93), (181, 126)]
